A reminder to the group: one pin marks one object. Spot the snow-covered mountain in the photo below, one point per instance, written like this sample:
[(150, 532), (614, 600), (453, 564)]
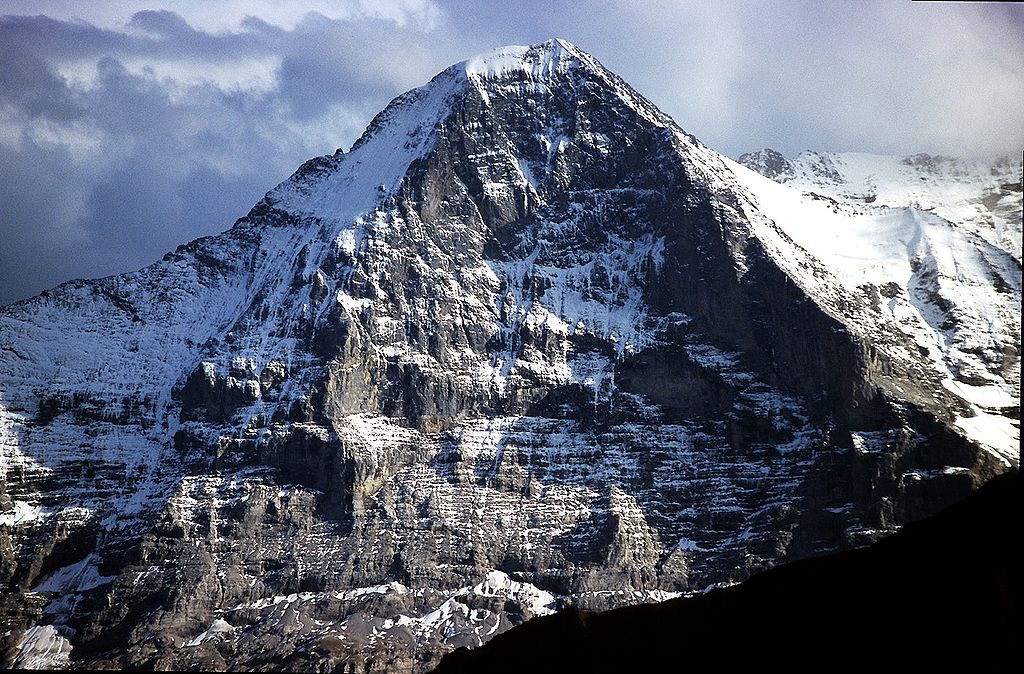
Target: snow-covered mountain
[(934, 244), (526, 344)]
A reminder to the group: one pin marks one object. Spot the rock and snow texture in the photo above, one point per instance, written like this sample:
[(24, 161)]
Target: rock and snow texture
[(934, 244), (526, 344)]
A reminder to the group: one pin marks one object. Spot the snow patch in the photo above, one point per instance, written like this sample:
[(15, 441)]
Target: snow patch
[(43, 647), (22, 513), (78, 577), (219, 626), (535, 62)]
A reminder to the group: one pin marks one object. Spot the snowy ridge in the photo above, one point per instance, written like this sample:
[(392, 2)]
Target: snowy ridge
[(378, 161), (463, 616), (981, 196), (536, 61), (956, 298)]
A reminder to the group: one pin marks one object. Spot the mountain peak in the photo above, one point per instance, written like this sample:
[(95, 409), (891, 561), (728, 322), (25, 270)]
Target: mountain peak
[(537, 61), (409, 127), (767, 162)]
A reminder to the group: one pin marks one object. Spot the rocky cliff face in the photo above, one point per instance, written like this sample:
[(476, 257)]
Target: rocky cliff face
[(527, 344)]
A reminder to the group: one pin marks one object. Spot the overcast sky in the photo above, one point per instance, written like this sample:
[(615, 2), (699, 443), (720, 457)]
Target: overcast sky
[(127, 128)]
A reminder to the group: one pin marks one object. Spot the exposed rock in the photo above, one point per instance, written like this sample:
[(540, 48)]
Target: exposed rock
[(901, 590)]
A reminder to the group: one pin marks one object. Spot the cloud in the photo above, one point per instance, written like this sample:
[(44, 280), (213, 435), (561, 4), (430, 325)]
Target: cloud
[(888, 77), (128, 128), (29, 85), (228, 15), (118, 145)]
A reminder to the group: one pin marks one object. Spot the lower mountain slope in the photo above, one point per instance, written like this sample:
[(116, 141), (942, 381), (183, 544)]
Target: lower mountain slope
[(892, 605)]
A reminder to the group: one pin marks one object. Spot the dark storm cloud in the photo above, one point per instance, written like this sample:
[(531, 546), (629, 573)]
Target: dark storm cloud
[(144, 187), (149, 33), (106, 175), (27, 258), (29, 84)]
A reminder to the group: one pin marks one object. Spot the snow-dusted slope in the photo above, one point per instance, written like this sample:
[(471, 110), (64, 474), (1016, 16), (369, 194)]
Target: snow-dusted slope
[(933, 244), (527, 343), (980, 196)]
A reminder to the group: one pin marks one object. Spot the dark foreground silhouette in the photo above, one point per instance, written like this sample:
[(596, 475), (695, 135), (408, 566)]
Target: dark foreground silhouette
[(943, 594)]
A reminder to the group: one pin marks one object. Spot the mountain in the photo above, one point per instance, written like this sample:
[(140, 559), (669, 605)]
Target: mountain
[(855, 603), (527, 344)]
